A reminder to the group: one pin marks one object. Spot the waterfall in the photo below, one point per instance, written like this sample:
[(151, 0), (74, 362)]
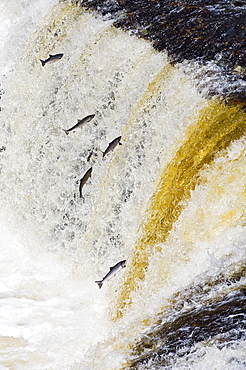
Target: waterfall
[(170, 200)]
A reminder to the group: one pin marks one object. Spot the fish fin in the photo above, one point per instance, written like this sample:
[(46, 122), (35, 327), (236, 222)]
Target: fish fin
[(67, 132), (99, 283), (79, 120), (51, 55), (120, 143), (111, 268), (43, 62)]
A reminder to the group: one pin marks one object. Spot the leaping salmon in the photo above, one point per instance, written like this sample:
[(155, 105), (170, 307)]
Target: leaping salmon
[(112, 272), (86, 176), (51, 59), (112, 145), (80, 123)]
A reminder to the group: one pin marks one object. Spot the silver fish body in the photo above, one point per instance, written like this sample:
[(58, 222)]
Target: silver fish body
[(112, 272), (86, 176), (112, 145), (51, 59), (80, 123)]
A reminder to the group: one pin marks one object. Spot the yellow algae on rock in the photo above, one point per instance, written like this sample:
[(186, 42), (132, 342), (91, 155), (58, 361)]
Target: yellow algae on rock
[(217, 127)]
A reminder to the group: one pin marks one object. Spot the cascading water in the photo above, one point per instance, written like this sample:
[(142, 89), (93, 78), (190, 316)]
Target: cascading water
[(170, 200)]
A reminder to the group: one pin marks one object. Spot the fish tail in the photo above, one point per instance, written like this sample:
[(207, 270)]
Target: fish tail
[(43, 62), (67, 132), (100, 283)]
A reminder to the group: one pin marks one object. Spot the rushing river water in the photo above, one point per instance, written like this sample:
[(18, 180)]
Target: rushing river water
[(170, 200)]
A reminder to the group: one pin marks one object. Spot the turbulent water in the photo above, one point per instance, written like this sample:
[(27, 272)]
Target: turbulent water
[(170, 200)]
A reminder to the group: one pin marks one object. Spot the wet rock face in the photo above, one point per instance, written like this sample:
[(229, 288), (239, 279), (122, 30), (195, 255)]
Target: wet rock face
[(187, 29), (224, 321), (200, 31)]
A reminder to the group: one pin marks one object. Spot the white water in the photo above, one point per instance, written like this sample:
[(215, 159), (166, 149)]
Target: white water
[(54, 245)]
